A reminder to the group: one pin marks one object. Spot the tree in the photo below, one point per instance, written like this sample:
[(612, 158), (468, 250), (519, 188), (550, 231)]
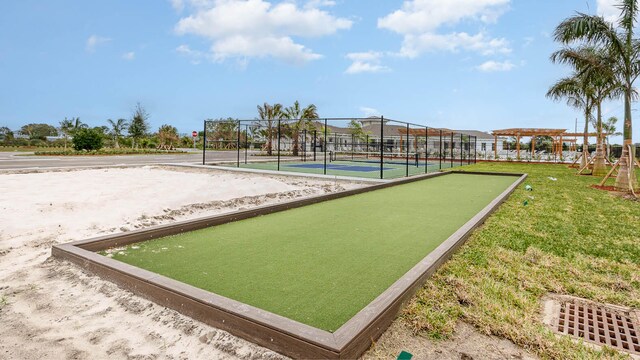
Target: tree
[(66, 128), (578, 94), (609, 129), (87, 139), (117, 128), (38, 131), (622, 46), (301, 120), (270, 113), (138, 127), (595, 67), (167, 135), (6, 133)]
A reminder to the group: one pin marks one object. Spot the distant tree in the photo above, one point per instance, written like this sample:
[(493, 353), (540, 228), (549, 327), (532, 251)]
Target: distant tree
[(355, 128), (302, 120), (77, 125), (609, 129), (117, 128), (139, 126), (87, 139), (38, 131), (269, 113), (167, 136), (6, 133), (66, 128)]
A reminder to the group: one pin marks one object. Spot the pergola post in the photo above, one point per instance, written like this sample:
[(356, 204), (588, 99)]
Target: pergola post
[(518, 146), (495, 146), (533, 146)]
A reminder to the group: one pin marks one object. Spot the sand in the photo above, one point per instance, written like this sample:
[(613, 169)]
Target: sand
[(52, 309)]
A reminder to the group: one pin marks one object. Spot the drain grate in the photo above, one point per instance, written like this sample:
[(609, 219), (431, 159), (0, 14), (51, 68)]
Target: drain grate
[(598, 324)]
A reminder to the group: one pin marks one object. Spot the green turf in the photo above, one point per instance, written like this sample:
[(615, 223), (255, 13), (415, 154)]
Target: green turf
[(392, 170), (322, 263)]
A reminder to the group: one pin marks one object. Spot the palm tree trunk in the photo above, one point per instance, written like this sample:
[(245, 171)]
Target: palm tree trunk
[(585, 144), (296, 142), (599, 165), (626, 179)]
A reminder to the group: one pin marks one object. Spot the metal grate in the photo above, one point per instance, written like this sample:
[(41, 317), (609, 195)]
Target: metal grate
[(599, 324)]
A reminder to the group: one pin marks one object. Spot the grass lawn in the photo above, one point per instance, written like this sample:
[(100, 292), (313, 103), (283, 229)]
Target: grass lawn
[(392, 170), (322, 263), (570, 239)]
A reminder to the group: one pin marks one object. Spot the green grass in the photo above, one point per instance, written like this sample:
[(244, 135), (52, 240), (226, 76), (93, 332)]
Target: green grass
[(570, 239), (391, 170), (322, 263)]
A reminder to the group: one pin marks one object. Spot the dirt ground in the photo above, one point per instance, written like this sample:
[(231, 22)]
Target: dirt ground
[(51, 309)]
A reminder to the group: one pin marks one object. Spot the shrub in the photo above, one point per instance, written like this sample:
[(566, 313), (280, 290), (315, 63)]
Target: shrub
[(87, 139)]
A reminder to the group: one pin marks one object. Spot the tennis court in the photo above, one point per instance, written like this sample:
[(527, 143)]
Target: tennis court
[(320, 264)]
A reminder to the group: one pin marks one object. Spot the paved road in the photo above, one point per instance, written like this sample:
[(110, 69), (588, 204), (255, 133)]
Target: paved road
[(18, 160)]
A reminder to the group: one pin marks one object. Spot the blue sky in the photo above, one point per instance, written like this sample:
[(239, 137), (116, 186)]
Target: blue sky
[(462, 64)]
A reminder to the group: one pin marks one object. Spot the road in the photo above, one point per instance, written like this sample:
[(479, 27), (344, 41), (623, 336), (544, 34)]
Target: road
[(21, 160)]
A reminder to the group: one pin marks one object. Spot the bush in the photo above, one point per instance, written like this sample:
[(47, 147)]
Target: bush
[(87, 139)]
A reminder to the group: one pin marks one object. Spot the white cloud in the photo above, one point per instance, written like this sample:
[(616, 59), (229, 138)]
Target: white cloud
[(421, 21), (194, 55), (129, 55), (608, 10), (368, 111), (178, 5), (494, 66), (319, 3), (257, 28), (94, 41), (365, 62)]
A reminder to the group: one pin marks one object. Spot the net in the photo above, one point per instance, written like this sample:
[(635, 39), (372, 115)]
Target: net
[(414, 158)]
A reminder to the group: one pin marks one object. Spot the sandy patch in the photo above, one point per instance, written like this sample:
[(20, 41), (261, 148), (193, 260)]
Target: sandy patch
[(52, 309)]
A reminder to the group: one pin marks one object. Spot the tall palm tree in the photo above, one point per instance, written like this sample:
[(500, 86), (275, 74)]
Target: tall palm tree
[(595, 66), (302, 120), (623, 48), (270, 113), (117, 128), (578, 94), (66, 127)]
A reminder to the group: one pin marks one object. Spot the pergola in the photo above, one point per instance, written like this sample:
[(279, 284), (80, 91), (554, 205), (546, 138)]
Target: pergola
[(559, 137)]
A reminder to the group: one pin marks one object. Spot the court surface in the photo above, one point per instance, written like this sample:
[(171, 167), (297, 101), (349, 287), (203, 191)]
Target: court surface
[(364, 169), (321, 264)]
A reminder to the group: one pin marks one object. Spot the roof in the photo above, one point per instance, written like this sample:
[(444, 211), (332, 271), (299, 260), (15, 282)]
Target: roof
[(477, 133)]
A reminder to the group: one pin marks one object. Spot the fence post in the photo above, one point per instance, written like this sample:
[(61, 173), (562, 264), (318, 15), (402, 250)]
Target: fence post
[(238, 146), (381, 147), (426, 149), (440, 153), (407, 153), (246, 142), (324, 146), (278, 144), (204, 142), (451, 147)]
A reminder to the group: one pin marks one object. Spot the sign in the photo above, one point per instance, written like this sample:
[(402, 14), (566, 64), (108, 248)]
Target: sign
[(194, 134)]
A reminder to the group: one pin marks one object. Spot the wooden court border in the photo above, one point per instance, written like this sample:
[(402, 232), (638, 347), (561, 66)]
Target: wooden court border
[(264, 328)]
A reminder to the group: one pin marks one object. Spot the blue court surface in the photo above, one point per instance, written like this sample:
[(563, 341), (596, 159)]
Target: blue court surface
[(339, 167)]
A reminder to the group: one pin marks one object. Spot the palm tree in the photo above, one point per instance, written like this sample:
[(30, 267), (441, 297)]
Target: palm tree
[(578, 94), (77, 125), (595, 66), (270, 113), (117, 128), (609, 129), (302, 120), (622, 46), (66, 128)]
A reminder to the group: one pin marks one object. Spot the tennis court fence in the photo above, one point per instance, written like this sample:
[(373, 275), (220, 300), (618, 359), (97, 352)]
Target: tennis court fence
[(373, 147)]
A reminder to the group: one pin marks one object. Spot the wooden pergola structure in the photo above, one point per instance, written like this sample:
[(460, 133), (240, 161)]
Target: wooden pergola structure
[(560, 136)]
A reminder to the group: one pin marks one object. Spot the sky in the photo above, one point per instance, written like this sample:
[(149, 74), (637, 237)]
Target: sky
[(459, 64)]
